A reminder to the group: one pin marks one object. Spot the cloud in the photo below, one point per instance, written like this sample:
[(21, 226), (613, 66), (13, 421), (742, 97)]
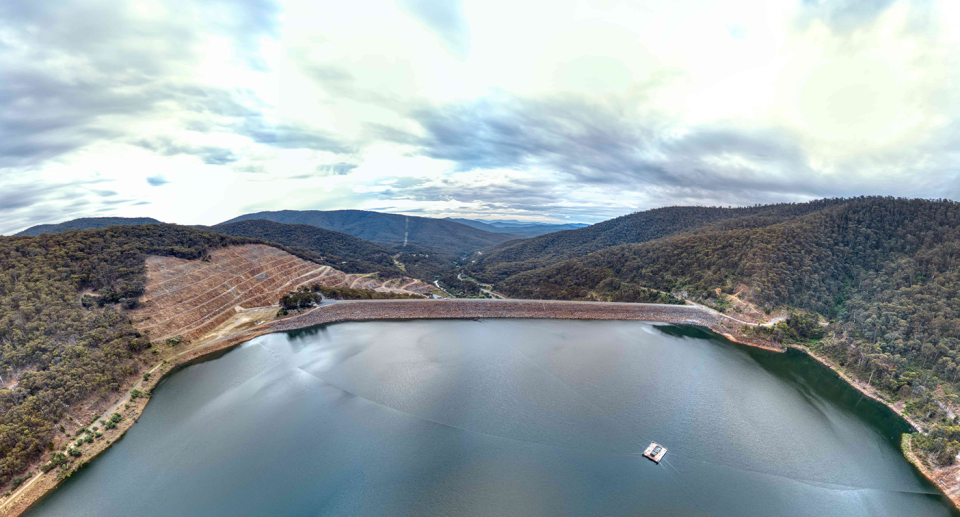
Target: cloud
[(845, 16), (446, 19), (337, 169), (25, 204), (589, 141), (69, 84), (591, 112), (157, 181), (290, 136), (577, 140), (209, 154)]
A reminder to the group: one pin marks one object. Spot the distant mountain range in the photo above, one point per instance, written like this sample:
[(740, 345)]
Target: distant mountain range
[(444, 236), (86, 223), (523, 229)]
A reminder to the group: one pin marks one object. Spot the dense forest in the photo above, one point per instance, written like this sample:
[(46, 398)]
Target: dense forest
[(344, 252), (306, 297), (56, 350), (452, 283), (883, 272), (513, 257)]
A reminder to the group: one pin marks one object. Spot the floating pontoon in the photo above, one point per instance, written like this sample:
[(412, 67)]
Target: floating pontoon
[(655, 452)]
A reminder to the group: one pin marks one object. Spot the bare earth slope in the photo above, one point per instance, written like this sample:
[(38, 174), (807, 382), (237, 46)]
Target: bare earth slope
[(192, 297)]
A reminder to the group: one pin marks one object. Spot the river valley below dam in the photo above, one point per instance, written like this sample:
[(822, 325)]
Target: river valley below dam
[(503, 417)]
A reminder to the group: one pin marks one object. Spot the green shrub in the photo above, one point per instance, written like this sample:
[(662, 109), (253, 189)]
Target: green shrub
[(74, 452), (17, 481)]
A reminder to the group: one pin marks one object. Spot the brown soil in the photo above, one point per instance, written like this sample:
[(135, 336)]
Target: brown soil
[(744, 310), (191, 297)]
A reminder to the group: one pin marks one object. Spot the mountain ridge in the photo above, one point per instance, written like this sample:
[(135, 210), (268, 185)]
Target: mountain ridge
[(523, 229), (85, 223), (448, 237), (498, 262)]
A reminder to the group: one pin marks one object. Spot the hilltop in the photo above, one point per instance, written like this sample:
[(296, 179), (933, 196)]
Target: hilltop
[(324, 246), (86, 223)]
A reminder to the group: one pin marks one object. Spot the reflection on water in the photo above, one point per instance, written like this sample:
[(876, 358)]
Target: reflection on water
[(503, 417)]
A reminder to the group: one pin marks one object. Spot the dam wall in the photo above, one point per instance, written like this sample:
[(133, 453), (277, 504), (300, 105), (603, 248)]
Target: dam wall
[(531, 309)]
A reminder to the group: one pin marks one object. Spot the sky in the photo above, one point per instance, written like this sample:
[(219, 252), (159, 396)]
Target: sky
[(196, 111)]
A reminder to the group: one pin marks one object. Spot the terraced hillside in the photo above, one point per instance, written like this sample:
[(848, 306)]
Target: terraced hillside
[(191, 297)]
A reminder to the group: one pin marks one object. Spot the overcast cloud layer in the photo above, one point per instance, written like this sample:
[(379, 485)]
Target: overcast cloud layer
[(194, 111)]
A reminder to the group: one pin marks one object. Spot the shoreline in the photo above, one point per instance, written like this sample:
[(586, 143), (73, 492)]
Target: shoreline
[(950, 491), (42, 484), (865, 390)]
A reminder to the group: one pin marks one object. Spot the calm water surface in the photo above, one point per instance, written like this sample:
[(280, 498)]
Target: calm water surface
[(502, 417)]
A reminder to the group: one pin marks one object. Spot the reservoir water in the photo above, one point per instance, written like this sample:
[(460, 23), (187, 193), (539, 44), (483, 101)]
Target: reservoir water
[(502, 417)]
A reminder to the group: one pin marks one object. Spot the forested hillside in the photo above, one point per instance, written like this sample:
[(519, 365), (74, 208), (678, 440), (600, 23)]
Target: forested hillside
[(442, 236), (884, 271), (87, 223), (57, 347), (517, 256), (345, 252)]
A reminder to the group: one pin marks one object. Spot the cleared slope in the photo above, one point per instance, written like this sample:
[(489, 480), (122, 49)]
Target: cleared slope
[(86, 223), (445, 236), (191, 298)]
